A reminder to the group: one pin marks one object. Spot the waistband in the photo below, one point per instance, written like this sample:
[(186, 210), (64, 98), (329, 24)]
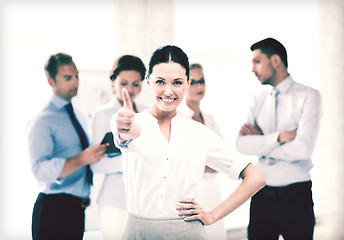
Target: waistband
[(155, 218), (295, 188), (82, 202), (168, 228)]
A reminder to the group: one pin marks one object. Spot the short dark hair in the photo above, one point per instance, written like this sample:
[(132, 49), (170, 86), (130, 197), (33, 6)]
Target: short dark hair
[(169, 53), (51, 67), (270, 46), (128, 63), (196, 66)]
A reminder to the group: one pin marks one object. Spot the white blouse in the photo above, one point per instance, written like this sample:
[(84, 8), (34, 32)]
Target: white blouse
[(158, 173), (209, 120)]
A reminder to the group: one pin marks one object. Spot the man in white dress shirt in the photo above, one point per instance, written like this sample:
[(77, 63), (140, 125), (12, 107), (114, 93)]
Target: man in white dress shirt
[(281, 128)]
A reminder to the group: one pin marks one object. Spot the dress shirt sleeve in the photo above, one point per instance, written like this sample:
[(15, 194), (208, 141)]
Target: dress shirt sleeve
[(44, 166), (259, 145), (100, 126), (301, 148)]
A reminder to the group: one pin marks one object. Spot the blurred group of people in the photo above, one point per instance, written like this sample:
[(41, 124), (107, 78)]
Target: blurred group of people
[(160, 167)]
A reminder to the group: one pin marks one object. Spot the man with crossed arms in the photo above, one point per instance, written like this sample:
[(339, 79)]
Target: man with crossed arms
[(281, 129)]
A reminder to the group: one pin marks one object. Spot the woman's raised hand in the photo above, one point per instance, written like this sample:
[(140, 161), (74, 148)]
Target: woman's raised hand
[(127, 128)]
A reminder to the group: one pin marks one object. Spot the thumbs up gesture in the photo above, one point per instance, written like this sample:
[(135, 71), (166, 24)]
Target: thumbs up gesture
[(127, 128)]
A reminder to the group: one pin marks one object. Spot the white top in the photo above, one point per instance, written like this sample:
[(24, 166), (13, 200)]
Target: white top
[(209, 195), (158, 173), (209, 120), (298, 107), (112, 190)]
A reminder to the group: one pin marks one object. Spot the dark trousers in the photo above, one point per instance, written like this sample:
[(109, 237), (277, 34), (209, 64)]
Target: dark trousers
[(58, 216), (286, 211)]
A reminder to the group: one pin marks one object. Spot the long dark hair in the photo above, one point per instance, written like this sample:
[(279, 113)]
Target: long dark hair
[(128, 63)]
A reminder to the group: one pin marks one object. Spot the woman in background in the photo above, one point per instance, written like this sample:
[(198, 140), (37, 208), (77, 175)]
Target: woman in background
[(209, 195), (128, 72), (164, 156)]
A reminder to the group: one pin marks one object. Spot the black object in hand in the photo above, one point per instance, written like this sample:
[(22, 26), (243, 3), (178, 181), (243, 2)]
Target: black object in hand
[(108, 138)]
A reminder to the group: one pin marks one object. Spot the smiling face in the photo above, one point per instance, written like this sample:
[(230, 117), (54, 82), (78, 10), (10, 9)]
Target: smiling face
[(66, 82), (129, 79), (196, 90), (168, 83)]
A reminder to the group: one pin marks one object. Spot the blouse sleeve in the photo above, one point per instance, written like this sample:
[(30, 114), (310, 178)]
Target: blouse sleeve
[(222, 158)]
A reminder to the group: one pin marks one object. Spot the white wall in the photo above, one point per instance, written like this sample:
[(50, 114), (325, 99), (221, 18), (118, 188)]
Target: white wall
[(330, 166), (216, 33), (30, 32)]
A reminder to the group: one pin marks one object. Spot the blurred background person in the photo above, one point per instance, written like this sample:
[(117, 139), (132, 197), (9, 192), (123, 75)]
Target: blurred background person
[(127, 72), (281, 129), (60, 156), (209, 195)]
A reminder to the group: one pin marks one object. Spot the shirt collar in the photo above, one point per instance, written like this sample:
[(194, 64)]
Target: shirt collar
[(285, 85), (115, 102), (146, 112), (185, 110), (58, 101)]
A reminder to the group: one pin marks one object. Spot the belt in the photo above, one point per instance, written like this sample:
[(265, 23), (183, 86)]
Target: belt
[(82, 202), (292, 189)]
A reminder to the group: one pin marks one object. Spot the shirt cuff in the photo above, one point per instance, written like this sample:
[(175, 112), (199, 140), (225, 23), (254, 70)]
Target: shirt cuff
[(121, 142)]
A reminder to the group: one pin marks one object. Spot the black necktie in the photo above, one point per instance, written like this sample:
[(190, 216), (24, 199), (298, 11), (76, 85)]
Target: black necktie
[(82, 137)]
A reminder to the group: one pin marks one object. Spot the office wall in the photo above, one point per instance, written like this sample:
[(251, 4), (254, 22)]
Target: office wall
[(330, 71)]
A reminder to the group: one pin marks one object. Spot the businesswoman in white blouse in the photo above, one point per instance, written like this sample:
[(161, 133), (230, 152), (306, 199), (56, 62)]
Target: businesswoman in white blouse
[(164, 156), (209, 195), (128, 72)]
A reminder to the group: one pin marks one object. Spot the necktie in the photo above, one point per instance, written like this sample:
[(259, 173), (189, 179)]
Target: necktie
[(273, 111), (82, 137)]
